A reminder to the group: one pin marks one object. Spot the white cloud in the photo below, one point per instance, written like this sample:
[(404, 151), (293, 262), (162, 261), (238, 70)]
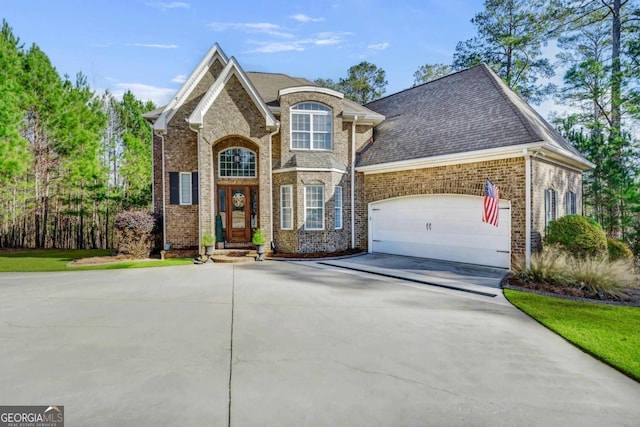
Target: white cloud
[(180, 78), (379, 46), (159, 95), (155, 45), (301, 17), (172, 5), (273, 47), (251, 27)]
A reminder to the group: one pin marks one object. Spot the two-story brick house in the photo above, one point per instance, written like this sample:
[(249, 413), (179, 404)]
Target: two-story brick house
[(318, 172)]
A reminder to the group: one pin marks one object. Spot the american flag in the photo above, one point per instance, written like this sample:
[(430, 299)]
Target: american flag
[(491, 203)]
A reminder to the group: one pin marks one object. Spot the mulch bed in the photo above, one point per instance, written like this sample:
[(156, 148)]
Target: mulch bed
[(632, 297), (314, 255), (107, 260)]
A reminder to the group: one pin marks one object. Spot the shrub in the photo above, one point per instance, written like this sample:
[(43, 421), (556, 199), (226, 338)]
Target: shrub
[(555, 266), (134, 230), (258, 238), (547, 266), (618, 250), (599, 274), (577, 235)]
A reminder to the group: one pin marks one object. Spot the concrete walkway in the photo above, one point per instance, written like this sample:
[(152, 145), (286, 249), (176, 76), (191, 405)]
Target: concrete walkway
[(286, 344)]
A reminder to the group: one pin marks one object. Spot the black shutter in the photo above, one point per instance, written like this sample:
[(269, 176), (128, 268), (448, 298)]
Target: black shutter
[(194, 188), (174, 188)]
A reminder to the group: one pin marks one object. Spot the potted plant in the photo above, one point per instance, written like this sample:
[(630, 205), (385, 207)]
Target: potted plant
[(219, 236), (259, 240), (207, 241)]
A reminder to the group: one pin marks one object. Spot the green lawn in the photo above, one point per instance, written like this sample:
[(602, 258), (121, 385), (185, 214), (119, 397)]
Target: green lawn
[(610, 333), (57, 260)]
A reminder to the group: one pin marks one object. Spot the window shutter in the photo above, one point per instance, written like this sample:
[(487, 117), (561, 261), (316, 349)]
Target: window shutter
[(174, 188), (194, 188)]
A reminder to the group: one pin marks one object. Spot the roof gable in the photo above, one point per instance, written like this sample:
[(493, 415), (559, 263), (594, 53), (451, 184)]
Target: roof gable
[(214, 54), (468, 111), (231, 69)]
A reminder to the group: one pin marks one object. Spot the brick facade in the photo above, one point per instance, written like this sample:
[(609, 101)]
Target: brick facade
[(468, 179)]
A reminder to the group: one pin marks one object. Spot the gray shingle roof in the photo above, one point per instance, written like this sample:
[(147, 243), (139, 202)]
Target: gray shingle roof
[(465, 111), (311, 159)]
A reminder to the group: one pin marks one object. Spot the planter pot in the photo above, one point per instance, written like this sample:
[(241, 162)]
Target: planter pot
[(260, 251), (208, 250)]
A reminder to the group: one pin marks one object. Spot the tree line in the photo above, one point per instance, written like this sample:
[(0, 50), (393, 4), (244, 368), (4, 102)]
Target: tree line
[(70, 158), (599, 47)]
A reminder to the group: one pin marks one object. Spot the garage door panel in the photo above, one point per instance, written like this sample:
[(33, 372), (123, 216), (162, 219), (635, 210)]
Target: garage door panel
[(445, 227)]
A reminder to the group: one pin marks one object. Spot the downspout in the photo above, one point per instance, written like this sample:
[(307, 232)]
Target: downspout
[(164, 197), (197, 131), (271, 180), (353, 182), (527, 201)]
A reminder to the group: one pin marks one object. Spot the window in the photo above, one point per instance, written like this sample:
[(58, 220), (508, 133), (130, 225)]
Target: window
[(183, 188), (310, 126), (337, 207), (550, 205), (237, 163), (572, 207), (314, 207), (286, 207)]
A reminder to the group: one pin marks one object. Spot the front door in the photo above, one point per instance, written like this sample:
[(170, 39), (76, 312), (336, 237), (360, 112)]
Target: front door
[(238, 206)]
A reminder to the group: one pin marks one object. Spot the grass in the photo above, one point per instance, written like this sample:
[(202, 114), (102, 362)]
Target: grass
[(610, 333), (57, 260)]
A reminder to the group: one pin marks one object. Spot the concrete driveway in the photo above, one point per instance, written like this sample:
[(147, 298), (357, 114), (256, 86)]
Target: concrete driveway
[(284, 344)]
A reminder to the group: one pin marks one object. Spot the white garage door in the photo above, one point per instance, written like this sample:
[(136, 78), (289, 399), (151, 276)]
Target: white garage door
[(447, 227)]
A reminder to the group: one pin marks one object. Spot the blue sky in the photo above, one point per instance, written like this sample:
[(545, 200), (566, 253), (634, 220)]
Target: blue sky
[(151, 46)]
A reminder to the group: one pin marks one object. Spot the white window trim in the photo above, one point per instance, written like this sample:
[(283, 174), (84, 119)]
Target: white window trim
[(254, 176), (311, 113), (550, 205), (571, 199), (305, 207), (282, 207), (182, 202), (337, 208)]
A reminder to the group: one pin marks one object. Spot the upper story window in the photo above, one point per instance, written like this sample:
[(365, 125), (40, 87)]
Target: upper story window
[(310, 126), (237, 163)]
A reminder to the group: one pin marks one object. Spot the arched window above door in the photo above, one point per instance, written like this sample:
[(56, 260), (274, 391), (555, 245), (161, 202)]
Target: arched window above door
[(237, 163)]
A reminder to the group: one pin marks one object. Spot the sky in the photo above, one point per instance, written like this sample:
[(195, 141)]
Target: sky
[(151, 47)]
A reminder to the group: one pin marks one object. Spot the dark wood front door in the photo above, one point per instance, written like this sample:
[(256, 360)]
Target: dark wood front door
[(238, 206)]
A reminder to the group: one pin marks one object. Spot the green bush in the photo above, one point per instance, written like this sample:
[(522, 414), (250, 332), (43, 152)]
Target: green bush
[(577, 235), (618, 250)]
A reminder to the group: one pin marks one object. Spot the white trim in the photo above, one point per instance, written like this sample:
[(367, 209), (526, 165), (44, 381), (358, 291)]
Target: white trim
[(449, 159), (352, 171), (311, 113), (282, 208), (336, 207), (297, 169), (563, 158), (271, 181), (255, 156), (313, 89), (527, 208), (215, 53), (180, 201), (305, 207), (364, 118), (231, 69)]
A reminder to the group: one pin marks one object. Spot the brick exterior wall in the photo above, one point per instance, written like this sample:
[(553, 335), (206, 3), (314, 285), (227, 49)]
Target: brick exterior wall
[(507, 174), (546, 175), (181, 155)]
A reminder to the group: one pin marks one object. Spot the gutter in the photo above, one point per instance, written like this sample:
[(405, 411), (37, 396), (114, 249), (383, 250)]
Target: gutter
[(527, 210), (197, 131), (271, 179), (164, 197), (353, 181)]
